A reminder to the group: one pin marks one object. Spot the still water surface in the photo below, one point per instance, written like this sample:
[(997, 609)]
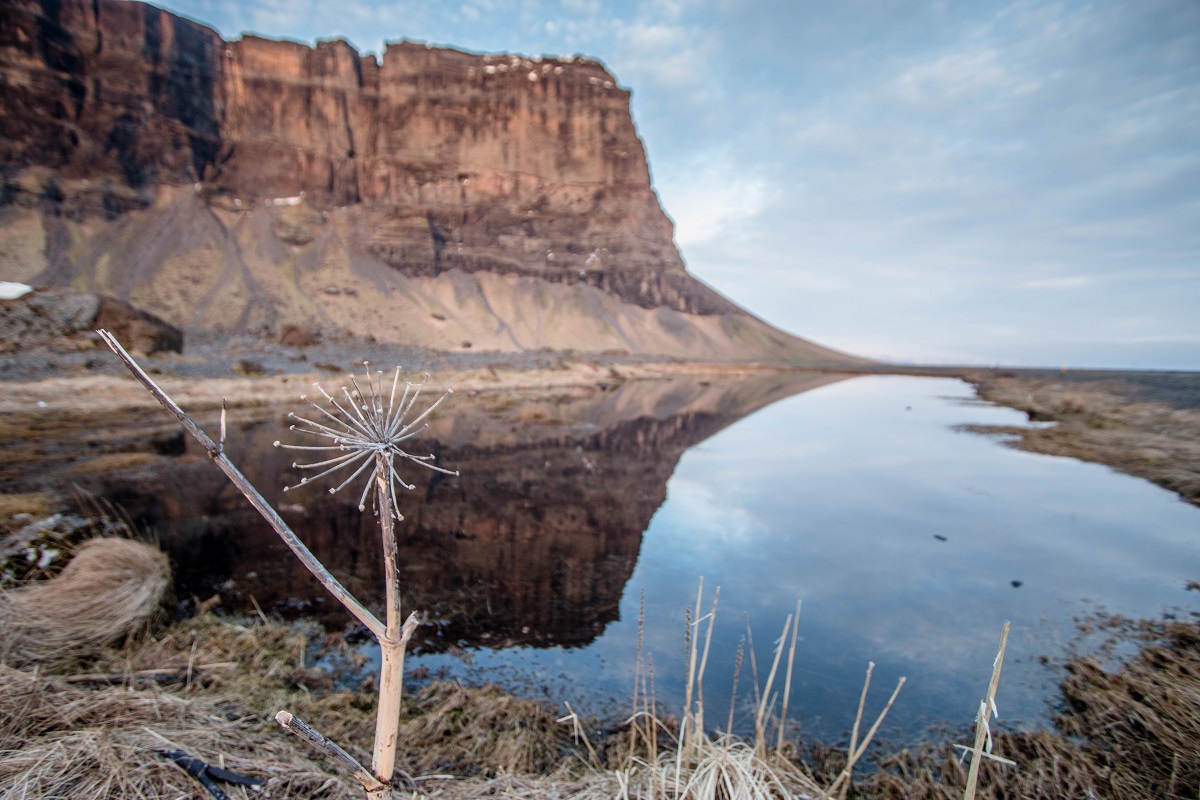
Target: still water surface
[(909, 541)]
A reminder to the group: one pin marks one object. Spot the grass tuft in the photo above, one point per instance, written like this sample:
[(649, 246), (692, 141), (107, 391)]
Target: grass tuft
[(110, 589)]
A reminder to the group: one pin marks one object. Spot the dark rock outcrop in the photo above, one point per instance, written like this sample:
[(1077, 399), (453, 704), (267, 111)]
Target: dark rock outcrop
[(68, 319), (467, 154)]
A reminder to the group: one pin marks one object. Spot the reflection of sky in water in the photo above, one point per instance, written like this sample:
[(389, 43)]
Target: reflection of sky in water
[(835, 497)]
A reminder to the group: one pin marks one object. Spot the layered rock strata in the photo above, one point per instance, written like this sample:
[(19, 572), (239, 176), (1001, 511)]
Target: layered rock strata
[(313, 171)]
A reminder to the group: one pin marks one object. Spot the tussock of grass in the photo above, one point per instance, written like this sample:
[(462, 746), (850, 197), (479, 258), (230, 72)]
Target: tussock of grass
[(724, 768), (111, 588), (210, 686), (1133, 733)]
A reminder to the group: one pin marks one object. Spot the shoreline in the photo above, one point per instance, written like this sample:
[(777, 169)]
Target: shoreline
[(1142, 423)]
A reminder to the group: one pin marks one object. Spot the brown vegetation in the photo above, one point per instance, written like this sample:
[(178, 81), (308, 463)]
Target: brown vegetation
[(110, 588), (1115, 422), (1132, 732), (81, 717), (209, 686)]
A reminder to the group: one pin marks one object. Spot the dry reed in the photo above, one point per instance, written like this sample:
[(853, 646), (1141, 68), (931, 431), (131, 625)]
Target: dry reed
[(1132, 732)]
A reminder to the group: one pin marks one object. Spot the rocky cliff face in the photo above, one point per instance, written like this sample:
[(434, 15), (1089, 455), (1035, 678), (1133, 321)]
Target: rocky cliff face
[(252, 183)]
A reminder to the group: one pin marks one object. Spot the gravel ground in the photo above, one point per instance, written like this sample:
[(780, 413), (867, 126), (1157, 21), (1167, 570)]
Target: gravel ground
[(212, 355)]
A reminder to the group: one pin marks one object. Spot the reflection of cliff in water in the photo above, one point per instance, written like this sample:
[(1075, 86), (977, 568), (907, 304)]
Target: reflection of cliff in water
[(533, 544)]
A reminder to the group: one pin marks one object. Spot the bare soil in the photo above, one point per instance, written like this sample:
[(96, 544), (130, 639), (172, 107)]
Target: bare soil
[(247, 371)]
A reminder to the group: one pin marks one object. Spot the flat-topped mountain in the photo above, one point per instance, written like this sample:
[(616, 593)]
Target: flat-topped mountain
[(430, 197)]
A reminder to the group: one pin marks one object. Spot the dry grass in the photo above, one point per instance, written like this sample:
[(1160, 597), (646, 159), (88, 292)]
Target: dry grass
[(1132, 732), (1142, 721), (59, 740), (112, 463), (1105, 422), (210, 686), (481, 731), (110, 589), (33, 503)]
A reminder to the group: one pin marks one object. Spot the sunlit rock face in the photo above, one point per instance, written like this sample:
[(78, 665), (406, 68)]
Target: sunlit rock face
[(429, 197)]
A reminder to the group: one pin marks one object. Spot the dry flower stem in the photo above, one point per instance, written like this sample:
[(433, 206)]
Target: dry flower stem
[(765, 700), (862, 748), (368, 431), (392, 646), (217, 454), (862, 702), (787, 685), (365, 430)]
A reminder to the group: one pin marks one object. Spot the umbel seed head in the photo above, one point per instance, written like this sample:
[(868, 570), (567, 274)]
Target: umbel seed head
[(367, 436)]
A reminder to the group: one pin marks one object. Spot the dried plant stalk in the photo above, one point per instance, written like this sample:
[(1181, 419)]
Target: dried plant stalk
[(363, 431), (854, 756), (216, 452), (787, 686), (983, 733)]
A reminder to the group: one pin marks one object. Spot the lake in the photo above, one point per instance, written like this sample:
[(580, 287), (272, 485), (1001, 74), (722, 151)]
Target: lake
[(908, 539)]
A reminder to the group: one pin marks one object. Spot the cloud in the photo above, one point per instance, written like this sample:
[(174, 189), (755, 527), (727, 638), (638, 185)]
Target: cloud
[(678, 61), (969, 76), (712, 198), (915, 174), (581, 6), (1062, 282), (707, 519)]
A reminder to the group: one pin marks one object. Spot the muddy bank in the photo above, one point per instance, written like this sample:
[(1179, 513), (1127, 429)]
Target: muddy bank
[(1144, 424)]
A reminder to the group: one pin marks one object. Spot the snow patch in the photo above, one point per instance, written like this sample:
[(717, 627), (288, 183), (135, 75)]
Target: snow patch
[(11, 291)]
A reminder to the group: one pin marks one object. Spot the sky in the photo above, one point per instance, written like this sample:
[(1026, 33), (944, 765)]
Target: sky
[(1012, 183)]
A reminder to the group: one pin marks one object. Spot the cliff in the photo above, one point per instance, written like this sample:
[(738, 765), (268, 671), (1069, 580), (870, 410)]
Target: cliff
[(432, 196)]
